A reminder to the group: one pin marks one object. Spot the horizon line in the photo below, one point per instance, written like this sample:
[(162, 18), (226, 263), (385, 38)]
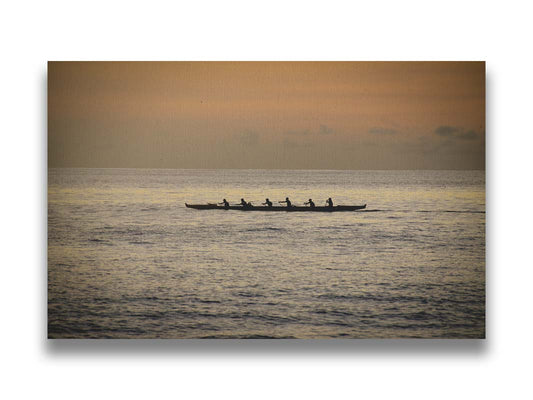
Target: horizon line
[(277, 169)]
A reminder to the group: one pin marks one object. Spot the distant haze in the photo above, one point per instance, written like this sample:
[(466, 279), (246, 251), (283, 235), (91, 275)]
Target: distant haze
[(289, 115)]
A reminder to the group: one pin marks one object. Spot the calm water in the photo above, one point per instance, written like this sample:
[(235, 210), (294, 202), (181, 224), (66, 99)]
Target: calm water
[(127, 259)]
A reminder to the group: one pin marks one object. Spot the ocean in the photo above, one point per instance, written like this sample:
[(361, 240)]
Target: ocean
[(127, 259)]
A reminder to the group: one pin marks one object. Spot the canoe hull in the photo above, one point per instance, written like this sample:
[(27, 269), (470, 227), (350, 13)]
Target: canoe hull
[(276, 208)]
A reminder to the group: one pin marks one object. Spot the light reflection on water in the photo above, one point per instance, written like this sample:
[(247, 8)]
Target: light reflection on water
[(127, 259)]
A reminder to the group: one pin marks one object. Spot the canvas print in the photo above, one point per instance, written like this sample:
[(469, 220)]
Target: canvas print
[(279, 200)]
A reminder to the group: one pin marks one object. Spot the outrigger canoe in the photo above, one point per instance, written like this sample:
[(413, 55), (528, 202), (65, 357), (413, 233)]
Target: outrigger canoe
[(275, 208)]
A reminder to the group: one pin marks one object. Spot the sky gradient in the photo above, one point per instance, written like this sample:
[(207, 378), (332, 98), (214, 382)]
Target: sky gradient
[(289, 115)]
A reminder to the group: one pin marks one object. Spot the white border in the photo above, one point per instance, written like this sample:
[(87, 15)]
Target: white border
[(209, 30)]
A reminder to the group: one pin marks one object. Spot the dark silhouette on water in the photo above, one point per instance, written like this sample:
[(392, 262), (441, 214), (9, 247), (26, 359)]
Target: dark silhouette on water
[(244, 204), (268, 206), (289, 204), (267, 203), (292, 208), (225, 203), (311, 203)]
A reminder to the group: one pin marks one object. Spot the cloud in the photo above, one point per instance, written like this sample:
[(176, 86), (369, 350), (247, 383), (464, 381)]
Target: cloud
[(470, 135), (382, 131), (454, 132), (446, 130), (322, 130)]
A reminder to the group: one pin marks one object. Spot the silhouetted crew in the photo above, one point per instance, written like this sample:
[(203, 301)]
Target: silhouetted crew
[(311, 203), (289, 204), (267, 203), (225, 203), (244, 203), (329, 202)]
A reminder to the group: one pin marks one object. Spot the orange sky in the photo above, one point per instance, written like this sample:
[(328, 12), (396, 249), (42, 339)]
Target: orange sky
[(297, 115)]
